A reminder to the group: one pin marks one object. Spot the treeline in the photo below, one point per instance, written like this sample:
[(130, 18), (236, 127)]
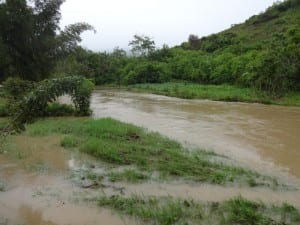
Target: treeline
[(31, 42), (263, 53)]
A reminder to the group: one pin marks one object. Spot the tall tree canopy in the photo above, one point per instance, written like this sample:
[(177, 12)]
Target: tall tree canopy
[(142, 45), (31, 41)]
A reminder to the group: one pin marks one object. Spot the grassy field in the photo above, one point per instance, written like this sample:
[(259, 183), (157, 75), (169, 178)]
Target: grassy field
[(169, 211), (216, 92), (124, 145)]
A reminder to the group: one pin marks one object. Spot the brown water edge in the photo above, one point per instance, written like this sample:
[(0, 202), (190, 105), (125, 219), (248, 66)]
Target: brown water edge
[(261, 137), (46, 196), (37, 188)]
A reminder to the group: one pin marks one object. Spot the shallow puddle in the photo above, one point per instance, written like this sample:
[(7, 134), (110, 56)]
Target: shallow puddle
[(38, 189)]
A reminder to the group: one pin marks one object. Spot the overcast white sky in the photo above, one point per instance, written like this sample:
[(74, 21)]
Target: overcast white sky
[(166, 21)]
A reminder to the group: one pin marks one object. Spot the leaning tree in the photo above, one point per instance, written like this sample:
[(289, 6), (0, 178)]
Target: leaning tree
[(33, 104)]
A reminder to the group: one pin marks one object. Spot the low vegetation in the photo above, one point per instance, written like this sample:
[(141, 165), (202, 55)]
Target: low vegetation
[(27, 100), (121, 144), (3, 107), (169, 211), (223, 92)]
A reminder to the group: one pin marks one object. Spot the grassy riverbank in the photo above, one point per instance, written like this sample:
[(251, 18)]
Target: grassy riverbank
[(140, 154), (217, 93)]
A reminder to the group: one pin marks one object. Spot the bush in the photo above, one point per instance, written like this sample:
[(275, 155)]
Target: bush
[(148, 72), (57, 109), (4, 110), (33, 105)]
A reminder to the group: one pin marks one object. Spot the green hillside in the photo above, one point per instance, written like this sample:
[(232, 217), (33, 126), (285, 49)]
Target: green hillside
[(277, 21), (262, 54)]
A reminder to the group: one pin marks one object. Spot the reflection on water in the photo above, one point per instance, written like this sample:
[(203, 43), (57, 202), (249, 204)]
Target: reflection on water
[(254, 134)]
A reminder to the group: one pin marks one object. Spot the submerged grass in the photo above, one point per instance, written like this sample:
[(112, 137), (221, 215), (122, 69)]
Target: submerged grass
[(222, 92), (123, 144), (169, 211), (129, 175)]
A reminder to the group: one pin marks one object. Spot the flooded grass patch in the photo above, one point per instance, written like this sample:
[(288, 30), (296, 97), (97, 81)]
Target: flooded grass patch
[(122, 144), (169, 211), (222, 92), (128, 175)]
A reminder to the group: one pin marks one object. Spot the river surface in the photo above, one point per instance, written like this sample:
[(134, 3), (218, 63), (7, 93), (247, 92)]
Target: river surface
[(262, 137)]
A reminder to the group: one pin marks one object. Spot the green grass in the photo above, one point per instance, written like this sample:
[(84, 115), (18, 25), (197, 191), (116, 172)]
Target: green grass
[(216, 92), (129, 175), (58, 109), (122, 144), (169, 211)]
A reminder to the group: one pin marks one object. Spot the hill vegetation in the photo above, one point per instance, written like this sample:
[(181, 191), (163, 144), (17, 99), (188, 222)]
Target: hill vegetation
[(261, 53)]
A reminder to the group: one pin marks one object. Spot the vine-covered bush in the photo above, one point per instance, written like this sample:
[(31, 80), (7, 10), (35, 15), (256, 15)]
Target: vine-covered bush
[(33, 104)]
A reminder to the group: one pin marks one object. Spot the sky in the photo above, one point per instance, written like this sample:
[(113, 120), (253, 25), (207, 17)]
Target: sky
[(165, 21)]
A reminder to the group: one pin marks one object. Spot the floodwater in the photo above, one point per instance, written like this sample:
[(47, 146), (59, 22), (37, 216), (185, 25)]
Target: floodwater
[(37, 175), (38, 190), (262, 137)]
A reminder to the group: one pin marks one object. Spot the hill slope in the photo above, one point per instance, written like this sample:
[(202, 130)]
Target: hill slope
[(262, 52)]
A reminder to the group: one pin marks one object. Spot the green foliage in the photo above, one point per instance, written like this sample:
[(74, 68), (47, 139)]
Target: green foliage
[(146, 72), (29, 40), (103, 68), (4, 111), (152, 210), (57, 109), (34, 103), (142, 45), (169, 211), (129, 175), (69, 141), (15, 88), (222, 92), (262, 53)]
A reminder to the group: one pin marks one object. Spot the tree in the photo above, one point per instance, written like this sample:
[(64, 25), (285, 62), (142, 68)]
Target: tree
[(194, 41), (142, 45), (32, 38)]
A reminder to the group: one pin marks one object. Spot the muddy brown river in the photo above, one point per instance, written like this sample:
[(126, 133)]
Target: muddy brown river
[(263, 137), (39, 188)]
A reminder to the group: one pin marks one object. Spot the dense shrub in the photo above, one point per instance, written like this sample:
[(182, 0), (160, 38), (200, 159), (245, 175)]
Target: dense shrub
[(57, 109), (147, 72), (33, 104)]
